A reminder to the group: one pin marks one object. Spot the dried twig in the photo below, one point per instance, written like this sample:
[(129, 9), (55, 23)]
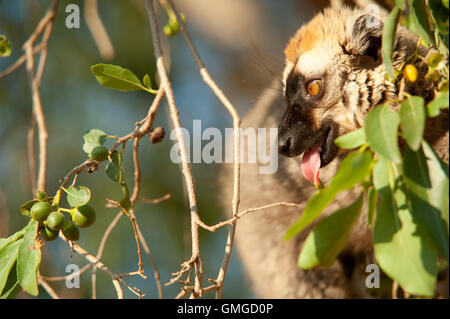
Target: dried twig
[(156, 200), (31, 154), (48, 288), (100, 252), (67, 277), (97, 263), (236, 140), (174, 116), (45, 25), (98, 30), (245, 212)]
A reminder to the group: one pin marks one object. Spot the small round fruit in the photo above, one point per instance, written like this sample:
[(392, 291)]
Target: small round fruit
[(41, 195), (40, 211), (174, 26), (71, 231), (49, 234), (100, 153), (55, 221), (83, 216), (410, 73), (168, 30)]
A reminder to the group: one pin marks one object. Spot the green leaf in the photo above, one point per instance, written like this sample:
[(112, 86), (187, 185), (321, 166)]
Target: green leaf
[(440, 15), (118, 78), (147, 81), (372, 203), (352, 171), (381, 130), (313, 208), (8, 257), (78, 196), (426, 178), (445, 3), (28, 260), (114, 167), (380, 174), (440, 102), (5, 46), (351, 140), (25, 208), (434, 59), (17, 235), (329, 237), (412, 117), (400, 248), (420, 23), (388, 39), (92, 139), (12, 286)]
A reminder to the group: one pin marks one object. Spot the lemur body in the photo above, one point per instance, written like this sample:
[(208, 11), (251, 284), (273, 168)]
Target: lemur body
[(340, 52)]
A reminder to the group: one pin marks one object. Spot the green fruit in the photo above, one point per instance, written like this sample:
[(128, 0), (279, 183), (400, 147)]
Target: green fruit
[(71, 231), (41, 195), (174, 26), (49, 234), (100, 153), (83, 216), (40, 211), (55, 221), (168, 30)]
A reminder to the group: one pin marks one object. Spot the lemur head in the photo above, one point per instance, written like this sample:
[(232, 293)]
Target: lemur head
[(334, 75)]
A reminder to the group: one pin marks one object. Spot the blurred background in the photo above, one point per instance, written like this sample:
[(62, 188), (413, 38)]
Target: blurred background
[(241, 42)]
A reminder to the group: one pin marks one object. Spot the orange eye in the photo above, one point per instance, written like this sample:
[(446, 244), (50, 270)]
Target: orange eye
[(313, 87)]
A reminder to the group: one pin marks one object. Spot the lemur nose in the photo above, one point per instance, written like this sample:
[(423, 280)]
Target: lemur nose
[(284, 146)]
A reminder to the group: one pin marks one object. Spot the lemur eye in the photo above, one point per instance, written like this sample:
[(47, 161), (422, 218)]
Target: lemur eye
[(313, 87)]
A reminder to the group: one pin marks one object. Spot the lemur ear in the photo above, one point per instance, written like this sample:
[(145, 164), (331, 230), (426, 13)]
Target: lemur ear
[(363, 37)]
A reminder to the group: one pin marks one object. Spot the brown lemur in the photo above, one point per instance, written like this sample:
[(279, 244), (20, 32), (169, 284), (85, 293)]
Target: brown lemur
[(334, 76)]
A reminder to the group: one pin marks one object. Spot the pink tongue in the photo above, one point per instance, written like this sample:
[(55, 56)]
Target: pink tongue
[(311, 165)]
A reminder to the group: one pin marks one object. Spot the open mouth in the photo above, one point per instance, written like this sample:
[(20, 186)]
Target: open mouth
[(324, 147), (320, 155)]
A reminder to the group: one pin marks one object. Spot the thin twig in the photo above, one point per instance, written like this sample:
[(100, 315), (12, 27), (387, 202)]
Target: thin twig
[(20, 61), (113, 203), (236, 138), (394, 289), (100, 265), (67, 277), (156, 200), (98, 30), (31, 154), (48, 288), (245, 212), (174, 115), (45, 24), (100, 251)]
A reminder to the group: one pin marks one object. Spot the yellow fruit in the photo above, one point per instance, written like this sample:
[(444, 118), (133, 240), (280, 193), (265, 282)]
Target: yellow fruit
[(410, 73)]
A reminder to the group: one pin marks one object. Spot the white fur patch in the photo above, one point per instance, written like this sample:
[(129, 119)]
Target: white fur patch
[(314, 61), (286, 72)]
